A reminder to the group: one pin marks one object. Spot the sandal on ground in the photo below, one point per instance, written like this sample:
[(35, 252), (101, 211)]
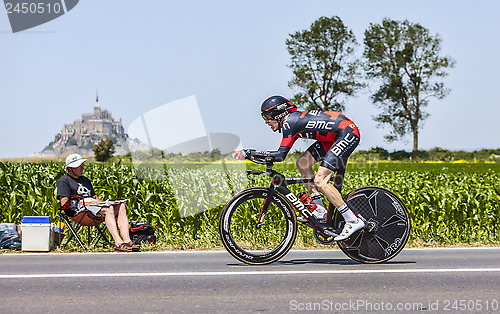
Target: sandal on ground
[(122, 247), (133, 246)]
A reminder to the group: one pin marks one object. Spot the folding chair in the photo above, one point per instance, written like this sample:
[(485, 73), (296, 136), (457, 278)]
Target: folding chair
[(83, 219)]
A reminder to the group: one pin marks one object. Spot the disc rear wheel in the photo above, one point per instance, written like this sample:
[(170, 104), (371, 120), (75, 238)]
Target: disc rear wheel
[(387, 229)]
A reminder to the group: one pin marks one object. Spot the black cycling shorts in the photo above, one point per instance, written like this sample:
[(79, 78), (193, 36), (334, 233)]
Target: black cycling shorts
[(336, 156)]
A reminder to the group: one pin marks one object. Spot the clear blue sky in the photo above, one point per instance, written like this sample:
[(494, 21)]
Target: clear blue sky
[(231, 55)]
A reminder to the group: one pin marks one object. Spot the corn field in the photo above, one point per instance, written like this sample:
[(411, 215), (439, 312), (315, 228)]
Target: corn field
[(446, 207)]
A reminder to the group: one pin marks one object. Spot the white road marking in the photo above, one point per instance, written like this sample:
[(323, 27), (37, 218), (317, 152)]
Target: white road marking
[(256, 273)]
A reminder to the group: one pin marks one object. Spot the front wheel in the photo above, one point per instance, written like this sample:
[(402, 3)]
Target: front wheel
[(387, 229), (257, 244)]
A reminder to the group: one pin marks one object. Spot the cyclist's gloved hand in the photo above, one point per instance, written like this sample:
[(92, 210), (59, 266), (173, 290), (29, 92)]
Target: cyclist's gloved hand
[(242, 154), (239, 155)]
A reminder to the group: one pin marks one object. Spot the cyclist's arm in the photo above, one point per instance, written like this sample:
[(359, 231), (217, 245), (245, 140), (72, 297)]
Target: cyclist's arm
[(277, 155)]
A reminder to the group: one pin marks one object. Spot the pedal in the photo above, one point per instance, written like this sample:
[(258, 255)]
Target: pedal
[(330, 232), (323, 238)]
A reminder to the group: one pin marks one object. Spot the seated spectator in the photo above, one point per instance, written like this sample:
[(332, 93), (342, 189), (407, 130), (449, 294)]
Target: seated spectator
[(115, 216)]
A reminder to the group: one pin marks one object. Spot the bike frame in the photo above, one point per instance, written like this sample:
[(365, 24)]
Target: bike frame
[(279, 183)]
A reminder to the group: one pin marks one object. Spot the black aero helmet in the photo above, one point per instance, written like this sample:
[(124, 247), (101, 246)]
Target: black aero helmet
[(276, 107)]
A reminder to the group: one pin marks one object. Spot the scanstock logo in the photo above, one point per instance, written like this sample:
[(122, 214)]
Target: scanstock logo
[(25, 14)]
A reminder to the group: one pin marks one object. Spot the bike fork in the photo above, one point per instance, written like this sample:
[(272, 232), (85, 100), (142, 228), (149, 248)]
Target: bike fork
[(265, 207)]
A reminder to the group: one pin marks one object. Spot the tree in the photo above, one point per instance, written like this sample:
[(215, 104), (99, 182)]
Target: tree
[(323, 64), (104, 150), (405, 58)]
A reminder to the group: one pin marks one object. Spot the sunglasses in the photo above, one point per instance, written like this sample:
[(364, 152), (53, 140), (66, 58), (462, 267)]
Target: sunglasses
[(267, 115)]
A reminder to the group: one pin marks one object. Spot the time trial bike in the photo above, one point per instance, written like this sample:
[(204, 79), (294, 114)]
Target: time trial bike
[(258, 225)]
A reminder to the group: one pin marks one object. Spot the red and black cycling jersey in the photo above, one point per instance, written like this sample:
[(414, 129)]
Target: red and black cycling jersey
[(323, 126)]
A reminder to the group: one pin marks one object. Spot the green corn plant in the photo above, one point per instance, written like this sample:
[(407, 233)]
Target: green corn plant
[(447, 205)]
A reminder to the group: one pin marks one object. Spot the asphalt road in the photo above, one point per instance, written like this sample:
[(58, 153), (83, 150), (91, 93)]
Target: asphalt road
[(418, 280)]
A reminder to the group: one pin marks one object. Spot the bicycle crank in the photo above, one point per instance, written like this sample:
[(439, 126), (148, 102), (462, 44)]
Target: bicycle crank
[(325, 240)]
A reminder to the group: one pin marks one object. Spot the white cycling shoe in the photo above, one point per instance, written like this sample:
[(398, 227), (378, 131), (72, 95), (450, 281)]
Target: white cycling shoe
[(349, 229)]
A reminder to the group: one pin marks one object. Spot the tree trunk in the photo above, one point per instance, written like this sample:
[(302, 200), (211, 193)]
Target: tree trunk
[(415, 139)]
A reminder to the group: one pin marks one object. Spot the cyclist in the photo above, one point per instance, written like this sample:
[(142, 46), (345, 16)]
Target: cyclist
[(336, 138)]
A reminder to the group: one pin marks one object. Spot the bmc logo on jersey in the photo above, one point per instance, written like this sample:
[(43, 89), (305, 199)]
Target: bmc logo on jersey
[(339, 148), (320, 125)]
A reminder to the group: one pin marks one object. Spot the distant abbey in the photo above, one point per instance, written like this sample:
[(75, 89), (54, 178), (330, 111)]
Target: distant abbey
[(81, 136)]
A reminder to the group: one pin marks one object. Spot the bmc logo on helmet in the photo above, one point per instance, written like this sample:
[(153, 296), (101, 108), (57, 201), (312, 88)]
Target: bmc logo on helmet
[(281, 106)]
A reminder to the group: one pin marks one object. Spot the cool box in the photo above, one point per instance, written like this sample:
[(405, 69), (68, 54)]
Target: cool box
[(36, 234)]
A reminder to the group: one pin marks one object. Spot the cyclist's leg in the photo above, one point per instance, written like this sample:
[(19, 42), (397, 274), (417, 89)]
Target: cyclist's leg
[(322, 181), (314, 153), (305, 162), (339, 179), (336, 159)]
